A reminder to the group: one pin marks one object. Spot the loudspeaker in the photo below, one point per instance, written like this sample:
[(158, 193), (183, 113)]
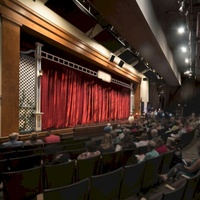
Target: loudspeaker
[(112, 58), (121, 63)]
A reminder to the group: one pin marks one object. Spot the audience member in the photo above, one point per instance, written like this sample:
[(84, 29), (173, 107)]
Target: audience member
[(152, 153), (33, 140), (13, 141), (60, 158), (115, 137), (174, 137), (131, 118), (119, 128), (127, 141), (161, 148), (174, 127), (91, 151), (108, 128), (143, 140), (51, 138), (154, 134), (189, 168), (107, 144)]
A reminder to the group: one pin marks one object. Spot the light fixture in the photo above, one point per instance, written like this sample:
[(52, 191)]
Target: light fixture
[(39, 73), (181, 30), (188, 73), (183, 49), (187, 60)]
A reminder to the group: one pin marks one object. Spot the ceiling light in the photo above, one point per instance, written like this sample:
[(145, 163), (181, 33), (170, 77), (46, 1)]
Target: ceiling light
[(184, 49), (187, 60), (181, 30)]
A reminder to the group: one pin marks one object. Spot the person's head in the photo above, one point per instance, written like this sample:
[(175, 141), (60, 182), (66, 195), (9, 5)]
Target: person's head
[(144, 136), (127, 131), (159, 142), (151, 145), (154, 133), (13, 136), (33, 136), (107, 141), (113, 133), (181, 126), (107, 129), (91, 146), (126, 139)]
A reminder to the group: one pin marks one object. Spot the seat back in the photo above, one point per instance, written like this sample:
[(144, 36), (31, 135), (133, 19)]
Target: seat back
[(111, 161), (105, 186), (75, 191), (185, 139), (132, 180), (59, 175), (74, 146), (142, 150), (191, 186), (3, 167), (24, 184), (29, 152), (129, 156), (166, 162), (152, 168), (26, 162), (87, 167), (175, 194), (73, 154)]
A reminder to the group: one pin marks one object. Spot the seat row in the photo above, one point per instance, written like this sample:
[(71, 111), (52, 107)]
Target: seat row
[(57, 182)]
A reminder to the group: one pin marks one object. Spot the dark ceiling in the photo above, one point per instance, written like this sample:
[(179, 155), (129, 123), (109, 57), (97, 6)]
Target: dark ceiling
[(117, 31)]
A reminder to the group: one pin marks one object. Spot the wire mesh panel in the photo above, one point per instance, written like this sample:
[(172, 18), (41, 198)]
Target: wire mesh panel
[(26, 93)]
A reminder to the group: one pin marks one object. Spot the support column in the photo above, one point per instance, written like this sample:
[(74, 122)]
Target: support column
[(132, 99), (38, 113), (9, 76), (137, 99)]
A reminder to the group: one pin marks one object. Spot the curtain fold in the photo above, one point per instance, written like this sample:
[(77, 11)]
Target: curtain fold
[(70, 97)]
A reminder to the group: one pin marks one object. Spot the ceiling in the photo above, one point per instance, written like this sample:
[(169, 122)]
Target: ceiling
[(141, 33)]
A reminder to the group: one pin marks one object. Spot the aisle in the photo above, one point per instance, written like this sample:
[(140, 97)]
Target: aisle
[(191, 150)]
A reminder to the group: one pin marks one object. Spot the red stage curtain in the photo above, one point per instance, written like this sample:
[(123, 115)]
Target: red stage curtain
[(70, 97)]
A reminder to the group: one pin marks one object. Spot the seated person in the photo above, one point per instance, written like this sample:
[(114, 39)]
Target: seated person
[(143, 140), (174, 137), (91, 151), (34, 140), (13, 141), (51, 138), (119, 129), (151, 154), (127, 141), (115, 137), (131, 118), (190, 168), (107, 128), (161, 148), (60, 158), (107, 144)]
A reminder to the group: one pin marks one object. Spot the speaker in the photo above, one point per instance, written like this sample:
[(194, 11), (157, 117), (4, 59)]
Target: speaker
[(121, 63), (145, 79), (112, 58)]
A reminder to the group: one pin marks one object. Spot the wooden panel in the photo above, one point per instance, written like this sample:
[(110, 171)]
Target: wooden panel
[(10, 77)]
